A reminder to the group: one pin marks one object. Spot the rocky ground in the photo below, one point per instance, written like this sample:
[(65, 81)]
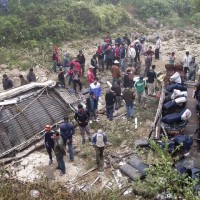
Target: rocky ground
[(121, 132)]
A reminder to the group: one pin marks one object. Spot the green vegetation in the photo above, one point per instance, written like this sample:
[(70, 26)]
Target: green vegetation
[(54, 21), (161, 177)]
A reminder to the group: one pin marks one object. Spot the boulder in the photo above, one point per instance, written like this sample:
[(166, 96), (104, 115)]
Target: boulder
[(16, 81), (177, 33), (152, 22), (3, 66), (14, 72)]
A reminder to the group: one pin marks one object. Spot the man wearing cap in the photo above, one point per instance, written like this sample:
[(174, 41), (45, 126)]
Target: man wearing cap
[(99, 140), (115, 71), (157, 48), (110, 101), (90, 74), (82, 117), (129, 97), (140, 89), (49, 142), (59, 150), (81, 60), (67, 132), (186, 61)]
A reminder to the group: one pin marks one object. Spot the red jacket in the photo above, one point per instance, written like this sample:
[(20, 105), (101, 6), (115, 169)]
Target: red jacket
[(90, 76), (77, 66)]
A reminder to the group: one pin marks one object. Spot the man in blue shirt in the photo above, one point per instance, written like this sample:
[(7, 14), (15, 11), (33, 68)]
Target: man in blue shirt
[(67, 132)]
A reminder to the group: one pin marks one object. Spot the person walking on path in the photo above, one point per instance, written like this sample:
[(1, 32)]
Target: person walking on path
[(67, 132), (140, 89), (186, 61), (110, 101), (90, 74), (99, 141), (81, 60), (151, 81), (31, 76), (59, 150), (96, 88), (157, 48), (129, 97), (49, 142), (115, 71), (82, 117), (91, 105)]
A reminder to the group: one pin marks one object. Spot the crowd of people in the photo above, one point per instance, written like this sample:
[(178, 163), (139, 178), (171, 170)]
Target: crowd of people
[(120, 58)]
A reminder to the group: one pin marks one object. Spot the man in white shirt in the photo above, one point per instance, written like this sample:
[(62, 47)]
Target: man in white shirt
[(99, 140), (157, 48), (186, 61)]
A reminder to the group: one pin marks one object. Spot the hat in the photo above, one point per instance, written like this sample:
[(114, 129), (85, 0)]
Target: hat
[(137, 41), (100, 131), (116, 62), (47, 128), (91, 67)]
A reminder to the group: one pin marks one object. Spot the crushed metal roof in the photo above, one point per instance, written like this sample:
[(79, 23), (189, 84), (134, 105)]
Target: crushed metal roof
[(24, 112)]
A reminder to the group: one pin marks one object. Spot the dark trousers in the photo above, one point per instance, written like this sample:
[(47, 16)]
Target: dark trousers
[(61, 163), (83, 68), (109, 112), (62, 82), (157, 54), (49, 151), (108, 63), (99, 155), (137, 57), (77, 82), (101, 64), (185, 70)]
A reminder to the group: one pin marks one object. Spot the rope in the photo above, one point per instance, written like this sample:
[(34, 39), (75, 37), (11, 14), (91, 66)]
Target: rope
[(42, 91)]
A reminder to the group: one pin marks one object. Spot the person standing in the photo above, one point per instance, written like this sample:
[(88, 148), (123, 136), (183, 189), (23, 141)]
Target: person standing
[(49, 142), (59, 150), (148, 59), (127, 83), (96, 88), (193, 68), (76, 79), (7, 83), (134, 35), (131, 54), (100, 56), (61, 77), (129, 97), (117, 91), (115, 71), (81, 60), (31, 76), (172, 59), (91, 105), (137, 51), (110, 101), (82, 117), (109, 56), (157, 48), (94, 64), (66, 62), (131, 75), (123, 57), (67, 132), (23, 80), (126, 40), (151, 80), (90, 74), (55, 59), (186, 61), (142, 42), (140, 89), (99, 141)]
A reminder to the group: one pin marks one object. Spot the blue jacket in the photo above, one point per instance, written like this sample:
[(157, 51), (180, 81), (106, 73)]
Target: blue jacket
[(96, 89), (66, 130)]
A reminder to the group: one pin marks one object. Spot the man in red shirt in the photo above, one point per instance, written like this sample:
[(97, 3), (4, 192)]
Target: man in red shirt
[(90, 75)]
